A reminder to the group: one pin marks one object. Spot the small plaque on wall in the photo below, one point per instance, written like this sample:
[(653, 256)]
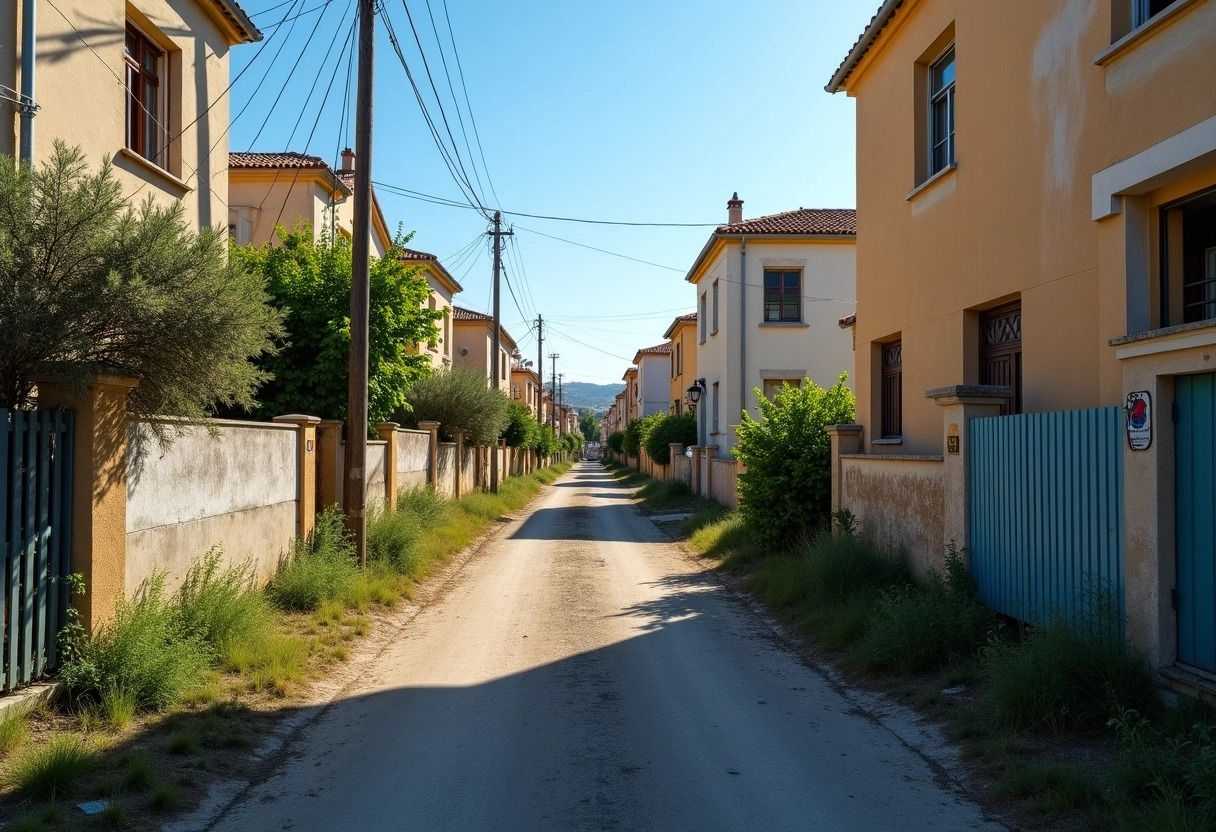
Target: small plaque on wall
[(1138, 415), (952, 444)]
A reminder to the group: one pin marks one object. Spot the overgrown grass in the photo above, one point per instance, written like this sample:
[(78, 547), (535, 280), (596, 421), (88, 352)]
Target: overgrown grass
[(317, 569), (14, 728), (222, 605), (1054, 786), (51, 770), (666, 494)]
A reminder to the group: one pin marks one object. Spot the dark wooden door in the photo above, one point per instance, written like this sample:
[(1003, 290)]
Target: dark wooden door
[(1001, 351)]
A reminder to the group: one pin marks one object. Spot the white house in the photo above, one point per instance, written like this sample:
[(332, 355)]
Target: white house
[(770, 294), (653, 379)]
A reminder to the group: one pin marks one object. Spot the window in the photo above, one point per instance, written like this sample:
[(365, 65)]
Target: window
[(892, 390), (147, 100), (715, 328), (1001, 351), (1188, 260), (713, 404), (772, 386), (782, 296), (701, 318), (941, 112), (1145, 10)]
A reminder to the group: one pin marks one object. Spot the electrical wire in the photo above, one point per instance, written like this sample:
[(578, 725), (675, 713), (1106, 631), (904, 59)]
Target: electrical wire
[(602, 250), (468, 106)]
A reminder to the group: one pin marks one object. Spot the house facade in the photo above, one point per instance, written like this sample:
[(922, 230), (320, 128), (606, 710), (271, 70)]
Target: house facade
[(770, 293), (632, 409), (682, 340), (526, 389), (653, 379), (443, 288), (266, 190), (142, 83), (473, 346), (1043, 243)]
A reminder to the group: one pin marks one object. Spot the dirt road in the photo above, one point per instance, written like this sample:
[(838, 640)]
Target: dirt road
[(585, 674)]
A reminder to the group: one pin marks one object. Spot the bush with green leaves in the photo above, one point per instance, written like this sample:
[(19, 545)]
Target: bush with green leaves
[(221, 605), (572, 442), (87, 281), (318, 569), (522, 430), (616, 442), (309, 280), (786, 491), (667, 429), (458, 398), (144, 651), (547, 443), (588, 424)]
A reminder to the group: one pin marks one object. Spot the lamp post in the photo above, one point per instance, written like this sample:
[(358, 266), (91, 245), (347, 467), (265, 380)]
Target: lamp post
[(694, 396)]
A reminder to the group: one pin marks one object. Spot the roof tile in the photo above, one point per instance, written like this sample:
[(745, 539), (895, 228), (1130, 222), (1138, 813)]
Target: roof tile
[(841, 221), (286, 159)]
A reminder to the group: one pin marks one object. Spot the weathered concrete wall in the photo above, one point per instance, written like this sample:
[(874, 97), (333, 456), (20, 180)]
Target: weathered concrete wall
[(376, 450), (413, 457), (724, 482), (900, 501), (236, 489), (446, 482), (681, 469)]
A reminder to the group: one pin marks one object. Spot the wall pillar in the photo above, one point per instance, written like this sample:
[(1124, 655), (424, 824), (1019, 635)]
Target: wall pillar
[(960, 404), (99, 487), (846, 439), (432, 469), (392, 480), (329, 464), (306, 475), (676, 450), (708, 453), (695, 475), (504, 463), (458, 435)]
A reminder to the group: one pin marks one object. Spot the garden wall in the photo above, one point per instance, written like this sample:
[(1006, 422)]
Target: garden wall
[(900, 500), (413, 457)]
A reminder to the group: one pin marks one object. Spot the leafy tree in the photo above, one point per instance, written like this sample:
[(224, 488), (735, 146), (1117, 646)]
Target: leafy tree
[(631, 444), (572, 442), (616, 441), (310, 281), (522, 430), (588, 424), (458, 397), (667, 429), (786, 491), (88, 281), (547, 443)]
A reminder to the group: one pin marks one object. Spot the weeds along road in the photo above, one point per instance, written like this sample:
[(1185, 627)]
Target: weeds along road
[(584, 673)]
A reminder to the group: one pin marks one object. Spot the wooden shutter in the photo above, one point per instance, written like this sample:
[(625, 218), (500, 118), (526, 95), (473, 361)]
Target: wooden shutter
[(1001, 351)]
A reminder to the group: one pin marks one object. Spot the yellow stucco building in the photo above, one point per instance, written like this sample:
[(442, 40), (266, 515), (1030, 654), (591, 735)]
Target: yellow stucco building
[(682, 336)]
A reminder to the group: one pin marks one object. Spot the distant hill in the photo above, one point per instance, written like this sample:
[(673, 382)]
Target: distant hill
[(580, 394)]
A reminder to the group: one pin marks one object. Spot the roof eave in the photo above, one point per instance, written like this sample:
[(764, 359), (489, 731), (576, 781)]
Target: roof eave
[(238, 21), (880, 21)]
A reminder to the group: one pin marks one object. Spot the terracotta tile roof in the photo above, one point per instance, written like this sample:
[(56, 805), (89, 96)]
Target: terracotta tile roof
[(803, 221), (877, 23), (240, 19), (658, 349), (287, 159), (459, 313), (691, 317), (411, 254)]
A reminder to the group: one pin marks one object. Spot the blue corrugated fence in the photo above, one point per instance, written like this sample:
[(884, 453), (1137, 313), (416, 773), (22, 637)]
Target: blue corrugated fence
[(1047, 510)]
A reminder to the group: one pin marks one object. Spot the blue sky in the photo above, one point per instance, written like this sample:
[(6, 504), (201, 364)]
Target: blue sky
[(634, 111)]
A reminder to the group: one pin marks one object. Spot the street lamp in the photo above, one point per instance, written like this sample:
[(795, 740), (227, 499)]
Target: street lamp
[(694, 392)]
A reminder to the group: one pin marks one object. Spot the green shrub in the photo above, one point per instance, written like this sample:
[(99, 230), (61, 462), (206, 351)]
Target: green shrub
[(666, 430), (786, 491), (52, 770), (14, 727), (394, 538), (1065, 674), (143, 651), (426, 505), (522, 430), (119, 707), (1056, 786), (458, 398), (837, 567), (318, 569), (616, 442), (220, 605), (635, 434)]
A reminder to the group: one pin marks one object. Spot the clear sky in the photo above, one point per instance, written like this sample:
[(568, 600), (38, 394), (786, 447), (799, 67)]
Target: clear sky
[(633, 111)]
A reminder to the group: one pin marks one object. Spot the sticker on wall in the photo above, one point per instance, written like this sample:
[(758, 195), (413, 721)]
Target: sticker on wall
[(1138, 413)]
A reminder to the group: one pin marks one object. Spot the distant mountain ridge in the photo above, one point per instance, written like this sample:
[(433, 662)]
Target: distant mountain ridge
[(580, 394)]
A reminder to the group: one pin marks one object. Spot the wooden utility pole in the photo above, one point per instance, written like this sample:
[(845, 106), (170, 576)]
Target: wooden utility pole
[(553, 393), (496, 372), (540, 368), (560, 396), (354, 495)]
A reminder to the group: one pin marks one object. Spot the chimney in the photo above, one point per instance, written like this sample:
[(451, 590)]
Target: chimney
[(734, 209), (348, 161)]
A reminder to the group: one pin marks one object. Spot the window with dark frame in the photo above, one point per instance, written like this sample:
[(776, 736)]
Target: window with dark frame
[(713, 403), (782, 296), (941, 112), (702, 318), (1001, 352), (1145, 10), (715, 326), (147, 105), (892, 390), (1188, 260)]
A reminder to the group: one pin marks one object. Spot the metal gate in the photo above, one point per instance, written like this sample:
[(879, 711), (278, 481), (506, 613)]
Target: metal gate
[(1047, 510), (35, 538), (1195, 496)]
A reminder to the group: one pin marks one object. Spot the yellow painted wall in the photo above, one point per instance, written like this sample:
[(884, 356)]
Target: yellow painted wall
[(1036, 119), (685, 337), (83, 101)]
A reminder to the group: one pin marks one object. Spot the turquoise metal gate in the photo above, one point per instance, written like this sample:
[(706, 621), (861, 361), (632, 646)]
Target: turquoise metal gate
[(35, 538), (1047, 510), (1195, 496)]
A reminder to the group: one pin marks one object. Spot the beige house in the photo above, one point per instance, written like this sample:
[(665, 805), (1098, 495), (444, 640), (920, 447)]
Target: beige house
[(526, 389), (654, 379), (266, 190), (443, 288), (682, 340), (1043, 244), (473, 345), (142, 83), (770, 293), (632, 404)]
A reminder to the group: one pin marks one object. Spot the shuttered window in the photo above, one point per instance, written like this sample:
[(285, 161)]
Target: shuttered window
[(892, 390), (1001, 352)]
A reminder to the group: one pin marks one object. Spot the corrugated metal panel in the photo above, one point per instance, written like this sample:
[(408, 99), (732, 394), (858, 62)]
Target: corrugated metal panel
[(1196, 519), (1047, 510)]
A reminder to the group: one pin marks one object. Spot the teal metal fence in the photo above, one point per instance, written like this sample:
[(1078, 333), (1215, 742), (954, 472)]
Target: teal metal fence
[(1047, 510), (35, 538)]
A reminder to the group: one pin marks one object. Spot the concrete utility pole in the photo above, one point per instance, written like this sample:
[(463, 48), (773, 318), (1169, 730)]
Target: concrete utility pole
[(553, 392), (496, 372), (354, 495)]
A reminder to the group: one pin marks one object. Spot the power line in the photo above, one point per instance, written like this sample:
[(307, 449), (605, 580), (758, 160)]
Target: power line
[(570, 337), (468, 106), (602, 250)]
